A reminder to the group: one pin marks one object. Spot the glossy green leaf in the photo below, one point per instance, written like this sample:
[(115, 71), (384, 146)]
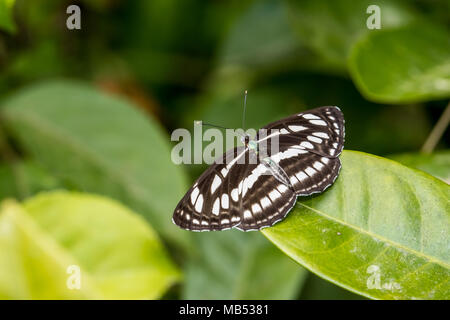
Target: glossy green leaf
[(436, 163), (330, 27), (236, 265), (59, 236), (6, 15), (100, 144), (408, 64), (382, 230)]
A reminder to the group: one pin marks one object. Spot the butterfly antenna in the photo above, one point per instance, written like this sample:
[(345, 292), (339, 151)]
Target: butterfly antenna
[(245, 107)]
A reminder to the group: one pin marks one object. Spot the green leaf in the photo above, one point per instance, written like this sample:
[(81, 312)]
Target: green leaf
[(24, 178), (436, 164), (237, 265), (316, 288), (261, 35), (100, 144), (382, 230), (330, 27), (408, 64), (6, 15), (119, 256)]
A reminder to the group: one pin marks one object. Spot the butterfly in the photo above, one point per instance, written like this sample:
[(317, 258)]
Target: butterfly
[(260, 191)]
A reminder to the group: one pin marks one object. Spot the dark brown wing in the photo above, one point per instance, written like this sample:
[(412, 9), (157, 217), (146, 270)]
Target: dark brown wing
[(308, 147)]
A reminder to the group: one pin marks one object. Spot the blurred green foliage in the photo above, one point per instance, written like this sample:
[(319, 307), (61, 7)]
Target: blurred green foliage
[(120, 257), (91, 110)]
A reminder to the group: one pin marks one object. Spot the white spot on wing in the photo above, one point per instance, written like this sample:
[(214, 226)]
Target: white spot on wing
[(247, 214), (215, 184), (224, 172), (235, 219), (321, 135), (318, 122), (216, 205), (301, 176), (235, 194), (194, 195), (274, 195), (199, 203), (306, 144), (314, 139), (310, 116), (310, 171), (265, 202), (256, 208), (297, 128), (293, 180), (318, 165), (225, 203)]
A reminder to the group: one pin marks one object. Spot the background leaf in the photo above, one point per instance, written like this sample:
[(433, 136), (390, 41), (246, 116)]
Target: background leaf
[(6, 15), (119, 255), (436, 164), (24, 178), (331, 27), (237, 265), (408, 64), (382, 231), (99, 144), (261, 35)]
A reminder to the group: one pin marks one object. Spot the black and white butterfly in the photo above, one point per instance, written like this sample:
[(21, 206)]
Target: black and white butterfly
[(240, 194)]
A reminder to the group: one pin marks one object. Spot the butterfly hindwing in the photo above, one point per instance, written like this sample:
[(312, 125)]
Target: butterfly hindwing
[(264, 200)]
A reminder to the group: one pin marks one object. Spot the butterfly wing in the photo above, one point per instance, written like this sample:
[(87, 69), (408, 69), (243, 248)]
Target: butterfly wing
[(264, 199), (309, 144), (237, 191), (212, 203)]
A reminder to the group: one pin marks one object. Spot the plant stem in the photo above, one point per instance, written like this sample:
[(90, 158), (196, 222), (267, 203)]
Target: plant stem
[(437, 131)]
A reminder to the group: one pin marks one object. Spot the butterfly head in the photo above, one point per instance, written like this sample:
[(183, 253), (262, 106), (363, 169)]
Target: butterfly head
[(245, 139)]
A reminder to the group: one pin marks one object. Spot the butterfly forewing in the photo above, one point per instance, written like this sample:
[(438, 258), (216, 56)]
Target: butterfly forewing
[(319, 131), (213, 202)]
